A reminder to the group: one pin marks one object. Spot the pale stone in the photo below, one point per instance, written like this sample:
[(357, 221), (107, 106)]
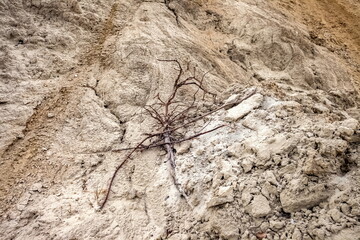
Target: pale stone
[(336, 215), (246, 198), (347, 234), (319, 233), (235, 149), (37, 187), (244, 107), (226, 169), (350, 123), (232, 99), (293, 201), (224, 195), (247, 165), (344, 131), (230, 231), (277, 105), (276, 224), (320, 108), (183, 148), (179, 236), (297, 234), (270, 177), (260, 206)]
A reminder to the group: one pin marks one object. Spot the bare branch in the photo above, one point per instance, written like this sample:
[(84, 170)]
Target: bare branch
[(118, 168), (213, 111), (172, 115), (180, 69)]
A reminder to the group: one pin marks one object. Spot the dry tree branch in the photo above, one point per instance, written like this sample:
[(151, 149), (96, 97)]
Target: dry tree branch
[(172, 115), (118, 168), (188, 123)]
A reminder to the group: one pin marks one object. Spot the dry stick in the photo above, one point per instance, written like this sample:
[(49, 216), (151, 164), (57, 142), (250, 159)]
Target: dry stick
[(172, 118), (172, 165), (166, 120), (203, 127), (185, 139), (192, 121), (163, 144), (213, 111), (118, 168), (154, 114), (180, 69)]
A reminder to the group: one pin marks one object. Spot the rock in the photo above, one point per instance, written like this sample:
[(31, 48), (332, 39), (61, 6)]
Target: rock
[(244, 107), (259, 206), (37, 187), (345, 132), (223, 195), (350, 123), (232, 99), (247, 164), (267, 189), (183, 148), (324, 159), (319, 233), (264, 226), (320, 108), (179, 236), (345, 208), (235, 149), (226, 192), (276, 225), (355, 206), (297, 234), (246, 198), (226, 169), (270, 177), (292, 200), (332, 147), (280, 105), (23, 202), (347, 129), (336, 215), (347, 234), (230, 232), (274, 145)]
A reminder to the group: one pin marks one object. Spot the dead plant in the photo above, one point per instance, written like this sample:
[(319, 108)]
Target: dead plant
[(172, 115)]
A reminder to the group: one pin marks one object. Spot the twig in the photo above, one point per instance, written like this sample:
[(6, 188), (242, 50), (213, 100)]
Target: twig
[(173, 142), (169, 115), (118, 168)]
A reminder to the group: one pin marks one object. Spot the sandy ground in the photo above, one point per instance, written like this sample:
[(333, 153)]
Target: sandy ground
[(334, 24), (75, 76)]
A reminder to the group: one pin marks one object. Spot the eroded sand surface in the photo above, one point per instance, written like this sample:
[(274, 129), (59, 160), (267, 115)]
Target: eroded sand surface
[(75, 76)]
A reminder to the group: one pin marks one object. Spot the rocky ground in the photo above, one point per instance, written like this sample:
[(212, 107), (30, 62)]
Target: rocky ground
[(75, 76)]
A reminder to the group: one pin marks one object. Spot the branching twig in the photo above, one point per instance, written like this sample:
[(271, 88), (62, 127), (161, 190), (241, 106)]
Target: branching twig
[(118, 168), (171, 115)]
